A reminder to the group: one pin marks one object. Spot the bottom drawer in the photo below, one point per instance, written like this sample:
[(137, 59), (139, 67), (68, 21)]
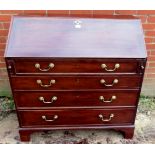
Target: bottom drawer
[(76, 117)]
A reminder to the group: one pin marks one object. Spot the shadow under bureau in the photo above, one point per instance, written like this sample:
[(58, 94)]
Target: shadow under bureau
[(75, 73)]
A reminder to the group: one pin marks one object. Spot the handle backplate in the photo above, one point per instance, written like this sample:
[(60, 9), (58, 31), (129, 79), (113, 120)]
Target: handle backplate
[(50, 66), (54, 98), (104, 66), (115, 81), (106, 119), (50, 120), (101, 98), (46, 85)]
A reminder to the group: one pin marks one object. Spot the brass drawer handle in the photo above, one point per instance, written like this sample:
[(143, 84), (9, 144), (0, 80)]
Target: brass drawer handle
[(50, 66), (54, 98), (101, 98), (42, 85), (106, 119), (50, 120), (104, 66), (102, 81)]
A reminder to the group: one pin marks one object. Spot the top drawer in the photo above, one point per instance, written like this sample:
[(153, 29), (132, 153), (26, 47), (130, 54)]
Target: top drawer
[(59, 65)]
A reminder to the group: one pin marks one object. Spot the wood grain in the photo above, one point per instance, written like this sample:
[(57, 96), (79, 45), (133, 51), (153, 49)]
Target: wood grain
[(27, 66), (77, 55), (69, 99), (72, 117), (58, 37), (74, 82)]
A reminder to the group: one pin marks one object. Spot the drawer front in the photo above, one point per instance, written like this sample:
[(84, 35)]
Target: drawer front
[(74, 82), (76, 117), (76, 66), (75, 98)]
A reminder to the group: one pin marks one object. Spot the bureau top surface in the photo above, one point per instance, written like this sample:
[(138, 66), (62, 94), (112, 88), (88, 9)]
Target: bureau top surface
[(75, 37)]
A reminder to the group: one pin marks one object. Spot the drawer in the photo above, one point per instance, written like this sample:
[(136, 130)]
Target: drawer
[(74, 82), (51, 66), (76, 117), (51, 99)]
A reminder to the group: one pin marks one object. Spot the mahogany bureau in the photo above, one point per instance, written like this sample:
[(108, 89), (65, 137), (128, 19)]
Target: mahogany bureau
[(75, 73)]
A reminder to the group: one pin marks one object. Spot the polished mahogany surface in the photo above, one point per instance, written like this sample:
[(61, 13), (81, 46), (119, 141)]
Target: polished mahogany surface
[(69, 99), (75, 73), (74, 65), (76, 117), (75, 82), (63, 37)]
